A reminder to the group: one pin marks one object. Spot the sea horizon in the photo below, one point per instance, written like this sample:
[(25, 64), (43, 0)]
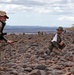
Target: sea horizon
[(29, 29)]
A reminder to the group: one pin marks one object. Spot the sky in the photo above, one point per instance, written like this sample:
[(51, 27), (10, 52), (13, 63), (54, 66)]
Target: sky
[(39, 12)]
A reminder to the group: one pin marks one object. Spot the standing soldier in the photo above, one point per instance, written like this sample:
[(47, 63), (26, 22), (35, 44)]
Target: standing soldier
[(3, 18), (57, 41)]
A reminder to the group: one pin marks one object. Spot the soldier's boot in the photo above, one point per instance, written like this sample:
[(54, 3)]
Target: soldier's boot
[(48, 52), (50, 49)]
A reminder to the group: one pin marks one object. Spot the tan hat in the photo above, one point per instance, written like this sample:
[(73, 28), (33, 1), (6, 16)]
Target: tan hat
[(3, 13)]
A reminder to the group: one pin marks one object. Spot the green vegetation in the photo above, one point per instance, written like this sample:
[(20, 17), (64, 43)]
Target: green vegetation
[(71, 28)]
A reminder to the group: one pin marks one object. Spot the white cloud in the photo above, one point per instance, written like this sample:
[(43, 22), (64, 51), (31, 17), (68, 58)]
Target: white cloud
[(47, 1), (10, 8), (58, 9), (39, 6), (68, 18), (42, 10), (5, 0)]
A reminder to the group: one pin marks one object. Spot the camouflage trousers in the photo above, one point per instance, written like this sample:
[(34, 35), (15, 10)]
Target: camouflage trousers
[(2, 53), (2, 44), (55, 45)]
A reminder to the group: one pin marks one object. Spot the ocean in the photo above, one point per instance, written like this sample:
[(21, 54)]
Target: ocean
[(29, 29)]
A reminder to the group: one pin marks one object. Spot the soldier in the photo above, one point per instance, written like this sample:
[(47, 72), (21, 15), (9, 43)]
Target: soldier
[(57, 41), (3, 18)]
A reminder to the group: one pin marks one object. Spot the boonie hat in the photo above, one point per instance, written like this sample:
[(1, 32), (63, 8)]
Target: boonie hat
[(60, 28), (3, 13)]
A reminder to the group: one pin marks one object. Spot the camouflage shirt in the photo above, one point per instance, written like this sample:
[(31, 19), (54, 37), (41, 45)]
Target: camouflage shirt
[(2, 25), (55, 42)]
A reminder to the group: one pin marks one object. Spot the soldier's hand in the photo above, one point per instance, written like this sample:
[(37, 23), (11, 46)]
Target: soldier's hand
[(10, 41), (61, 43)]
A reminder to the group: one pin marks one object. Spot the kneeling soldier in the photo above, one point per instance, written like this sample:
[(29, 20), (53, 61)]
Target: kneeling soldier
[(57, 41)]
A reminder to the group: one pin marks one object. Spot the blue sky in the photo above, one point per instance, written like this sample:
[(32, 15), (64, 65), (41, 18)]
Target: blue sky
[(39, 12)]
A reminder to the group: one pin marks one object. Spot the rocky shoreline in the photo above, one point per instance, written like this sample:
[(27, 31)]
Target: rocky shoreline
[(27, 56)]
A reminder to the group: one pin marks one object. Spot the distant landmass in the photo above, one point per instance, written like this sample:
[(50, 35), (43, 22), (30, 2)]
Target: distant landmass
[(70, 28), (28, 29)]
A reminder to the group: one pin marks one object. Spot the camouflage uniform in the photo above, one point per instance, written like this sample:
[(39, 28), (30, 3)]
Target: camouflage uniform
[(2, 25), (1, 39), (55, 44)]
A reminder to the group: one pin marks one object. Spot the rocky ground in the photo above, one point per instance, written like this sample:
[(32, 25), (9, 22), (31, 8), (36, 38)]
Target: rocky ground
[(27, 56)]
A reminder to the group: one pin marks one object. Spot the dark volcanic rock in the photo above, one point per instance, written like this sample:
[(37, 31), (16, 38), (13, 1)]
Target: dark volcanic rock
[(28, 69), (30, 56), (14, 72), (40, 67), (35, 72)]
